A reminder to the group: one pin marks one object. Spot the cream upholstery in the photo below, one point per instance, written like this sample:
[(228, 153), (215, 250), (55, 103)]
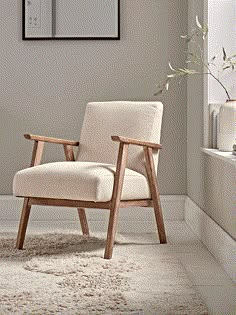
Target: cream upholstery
[(138, 120), (93, 177), (77, 181), (88, 178)]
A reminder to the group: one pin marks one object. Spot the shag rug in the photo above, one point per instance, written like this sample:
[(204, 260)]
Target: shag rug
[(66, 274)]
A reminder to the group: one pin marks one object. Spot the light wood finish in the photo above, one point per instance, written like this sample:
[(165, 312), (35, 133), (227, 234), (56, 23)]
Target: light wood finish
[(23, 224), (136, 142), (28, 202), (88, 204), (83, 221), (68, 203), (37, 153), (115, 201), (150, 167), (113, 205), (69, 153), (36, 160), (138, 203), (50, 139)]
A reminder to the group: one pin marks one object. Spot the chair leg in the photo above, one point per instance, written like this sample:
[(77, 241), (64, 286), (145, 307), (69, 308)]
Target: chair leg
[(23, 224), (155, 194), (116, 196), (113, 219), (159, 219), (83, 221)]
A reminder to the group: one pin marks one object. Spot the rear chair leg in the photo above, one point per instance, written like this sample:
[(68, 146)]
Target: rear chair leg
[(159, 220), (83, 221), (150, 167), (23, 224)]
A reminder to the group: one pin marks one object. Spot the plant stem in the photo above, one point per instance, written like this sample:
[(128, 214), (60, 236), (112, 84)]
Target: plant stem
[(213, 76), (209, 70), (210, 73)]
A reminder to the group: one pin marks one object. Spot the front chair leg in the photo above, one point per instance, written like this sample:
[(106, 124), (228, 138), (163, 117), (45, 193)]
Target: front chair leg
[(83, 221), (111, 232), (23, 224), (116, 196)]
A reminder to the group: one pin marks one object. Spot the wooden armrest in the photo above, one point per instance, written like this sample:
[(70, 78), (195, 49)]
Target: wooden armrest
[(52, 140), (136, 142)]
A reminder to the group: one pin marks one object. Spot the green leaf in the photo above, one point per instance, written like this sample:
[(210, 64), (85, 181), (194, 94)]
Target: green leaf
[(188, 40), (211, 64), (171, 68), (205, 29), (224, 54), (198, 23), (212, 59), (158, 93), (205, 32), (167, 85), (231, 57)]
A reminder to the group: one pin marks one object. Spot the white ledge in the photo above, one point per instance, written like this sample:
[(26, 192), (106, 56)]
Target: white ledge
[(228, 157)]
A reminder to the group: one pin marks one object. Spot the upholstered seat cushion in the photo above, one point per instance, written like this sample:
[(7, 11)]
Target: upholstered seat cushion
[(77, 181)]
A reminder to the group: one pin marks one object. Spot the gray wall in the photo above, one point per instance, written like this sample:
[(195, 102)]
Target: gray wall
[(195, 114), (219, 199), (45, 85), (211, 182)]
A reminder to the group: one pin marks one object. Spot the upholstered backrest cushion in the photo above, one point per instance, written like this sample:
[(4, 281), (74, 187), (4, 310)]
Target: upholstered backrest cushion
[(138, 120)]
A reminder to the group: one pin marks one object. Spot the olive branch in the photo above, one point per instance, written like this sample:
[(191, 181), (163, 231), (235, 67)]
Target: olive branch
[(196, 58)]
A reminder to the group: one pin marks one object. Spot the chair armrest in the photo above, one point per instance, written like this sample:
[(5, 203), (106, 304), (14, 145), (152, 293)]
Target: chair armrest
[(52, 140), (39, 144), (152, 145)]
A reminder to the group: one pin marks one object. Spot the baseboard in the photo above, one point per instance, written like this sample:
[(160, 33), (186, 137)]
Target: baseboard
[(135, 219), (217, 241)]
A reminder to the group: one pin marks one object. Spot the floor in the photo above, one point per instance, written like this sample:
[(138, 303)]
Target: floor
[(205, 273)]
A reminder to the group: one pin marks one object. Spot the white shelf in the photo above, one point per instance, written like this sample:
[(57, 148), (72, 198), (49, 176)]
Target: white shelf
[(225, 156)]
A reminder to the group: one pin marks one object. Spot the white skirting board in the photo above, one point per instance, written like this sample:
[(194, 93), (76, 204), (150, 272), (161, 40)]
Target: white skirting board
[(135, 219), (217, 241)]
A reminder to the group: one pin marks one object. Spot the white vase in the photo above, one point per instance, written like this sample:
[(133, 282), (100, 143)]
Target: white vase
[(227, 126)]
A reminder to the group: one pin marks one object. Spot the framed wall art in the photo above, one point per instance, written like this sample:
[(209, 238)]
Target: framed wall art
[(70, 19)]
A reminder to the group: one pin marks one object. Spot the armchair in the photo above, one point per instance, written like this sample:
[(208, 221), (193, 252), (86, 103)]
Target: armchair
[(98, 177)]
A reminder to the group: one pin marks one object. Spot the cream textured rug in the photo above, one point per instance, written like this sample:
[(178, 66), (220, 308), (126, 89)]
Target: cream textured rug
[(66, 274)]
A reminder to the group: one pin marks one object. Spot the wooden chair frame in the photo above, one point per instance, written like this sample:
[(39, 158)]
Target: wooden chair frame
[(114, 204)]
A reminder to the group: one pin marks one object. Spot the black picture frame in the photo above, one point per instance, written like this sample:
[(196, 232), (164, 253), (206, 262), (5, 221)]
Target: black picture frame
[(104, 37)]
